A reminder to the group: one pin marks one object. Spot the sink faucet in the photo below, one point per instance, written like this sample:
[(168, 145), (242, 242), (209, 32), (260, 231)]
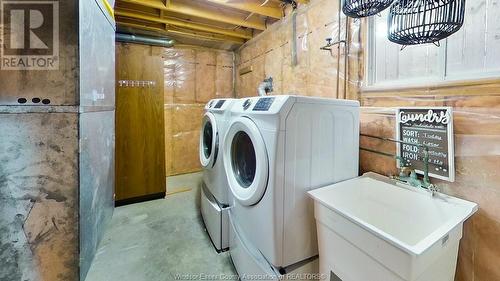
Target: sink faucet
[(409, 175)]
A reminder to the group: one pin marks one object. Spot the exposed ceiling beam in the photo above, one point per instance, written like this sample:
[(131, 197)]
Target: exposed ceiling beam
[(216, 16), (212, 37), (191, 34), (199, 12), (179, 23), (252, 6)]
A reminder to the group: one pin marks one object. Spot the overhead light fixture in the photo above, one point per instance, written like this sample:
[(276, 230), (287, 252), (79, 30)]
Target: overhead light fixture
[(364, 8), (413, 22)]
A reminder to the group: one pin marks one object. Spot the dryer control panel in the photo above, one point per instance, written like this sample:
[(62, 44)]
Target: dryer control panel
[(218, 105), (263, 104)]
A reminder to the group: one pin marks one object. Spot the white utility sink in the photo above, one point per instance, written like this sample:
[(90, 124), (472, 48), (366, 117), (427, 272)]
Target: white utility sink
[(372, 228)]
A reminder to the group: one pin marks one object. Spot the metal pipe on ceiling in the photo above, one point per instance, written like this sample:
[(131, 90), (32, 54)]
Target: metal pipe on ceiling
[(145, 40)]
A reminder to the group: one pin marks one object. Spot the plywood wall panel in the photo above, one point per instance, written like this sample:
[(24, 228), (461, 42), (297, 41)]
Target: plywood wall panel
[(295, 75), (185, 82), (187, 118), (169, 139), (323, 65), (315, 70), (273, 68), (246, 88), (224, 75), (169, 80), (258, 74), (205, 76), (245, 53), (140, 136), (487, 249), (197, 75), (477, 142), (223, 83), (465, 264), (185, 156)]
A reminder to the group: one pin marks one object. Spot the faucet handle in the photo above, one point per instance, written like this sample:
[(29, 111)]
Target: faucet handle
[(433, 189), (405, 171)]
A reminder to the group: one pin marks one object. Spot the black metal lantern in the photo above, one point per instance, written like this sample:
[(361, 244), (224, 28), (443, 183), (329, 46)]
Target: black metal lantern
[(413, 22), (364, 8)]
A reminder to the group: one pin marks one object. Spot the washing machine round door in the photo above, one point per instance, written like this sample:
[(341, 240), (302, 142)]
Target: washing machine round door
[(209, 141), (246, 161)]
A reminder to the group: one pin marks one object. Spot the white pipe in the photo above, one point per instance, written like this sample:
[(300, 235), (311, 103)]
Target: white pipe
[(265, 87)]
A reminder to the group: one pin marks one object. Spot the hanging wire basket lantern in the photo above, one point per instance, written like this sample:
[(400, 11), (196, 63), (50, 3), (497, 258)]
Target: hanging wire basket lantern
[(364, 8), (413, 22)]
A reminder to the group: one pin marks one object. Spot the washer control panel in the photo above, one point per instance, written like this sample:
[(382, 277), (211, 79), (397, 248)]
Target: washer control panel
[(263, 104), (219, 104), (247, 104)]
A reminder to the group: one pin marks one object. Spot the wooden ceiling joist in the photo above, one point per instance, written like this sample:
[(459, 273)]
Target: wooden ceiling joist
[(184, 24), (188, 33), (224, 24), (211, 37), (188, 10), (252, 6)]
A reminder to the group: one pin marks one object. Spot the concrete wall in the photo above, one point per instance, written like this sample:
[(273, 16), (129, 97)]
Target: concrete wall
[(476, 117)]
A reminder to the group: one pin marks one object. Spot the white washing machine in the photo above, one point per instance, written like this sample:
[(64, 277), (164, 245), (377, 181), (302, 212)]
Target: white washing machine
[(215, 191), (276, 149)]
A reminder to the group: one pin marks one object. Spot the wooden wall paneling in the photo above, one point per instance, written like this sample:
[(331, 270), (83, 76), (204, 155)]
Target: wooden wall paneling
[(224, 75), (205, 75), (185, 75), (323, 22), (140, 136), (477, 142), (476, 119), (168, 140), (198, 75)]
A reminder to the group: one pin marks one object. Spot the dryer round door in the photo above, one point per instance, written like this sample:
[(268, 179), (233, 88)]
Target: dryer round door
[(246, 161), (209, 141)]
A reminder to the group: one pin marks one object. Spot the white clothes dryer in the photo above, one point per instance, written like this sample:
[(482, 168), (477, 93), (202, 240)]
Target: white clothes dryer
[(275, 150)]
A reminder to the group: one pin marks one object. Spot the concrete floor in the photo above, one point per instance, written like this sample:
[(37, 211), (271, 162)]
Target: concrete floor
[(160, 240)]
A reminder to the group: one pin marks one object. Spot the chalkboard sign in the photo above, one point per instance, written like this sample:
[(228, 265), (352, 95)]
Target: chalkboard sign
[(432, 127)]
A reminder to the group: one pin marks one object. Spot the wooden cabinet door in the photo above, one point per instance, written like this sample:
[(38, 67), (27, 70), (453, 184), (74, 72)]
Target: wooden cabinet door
[(140, 130)]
